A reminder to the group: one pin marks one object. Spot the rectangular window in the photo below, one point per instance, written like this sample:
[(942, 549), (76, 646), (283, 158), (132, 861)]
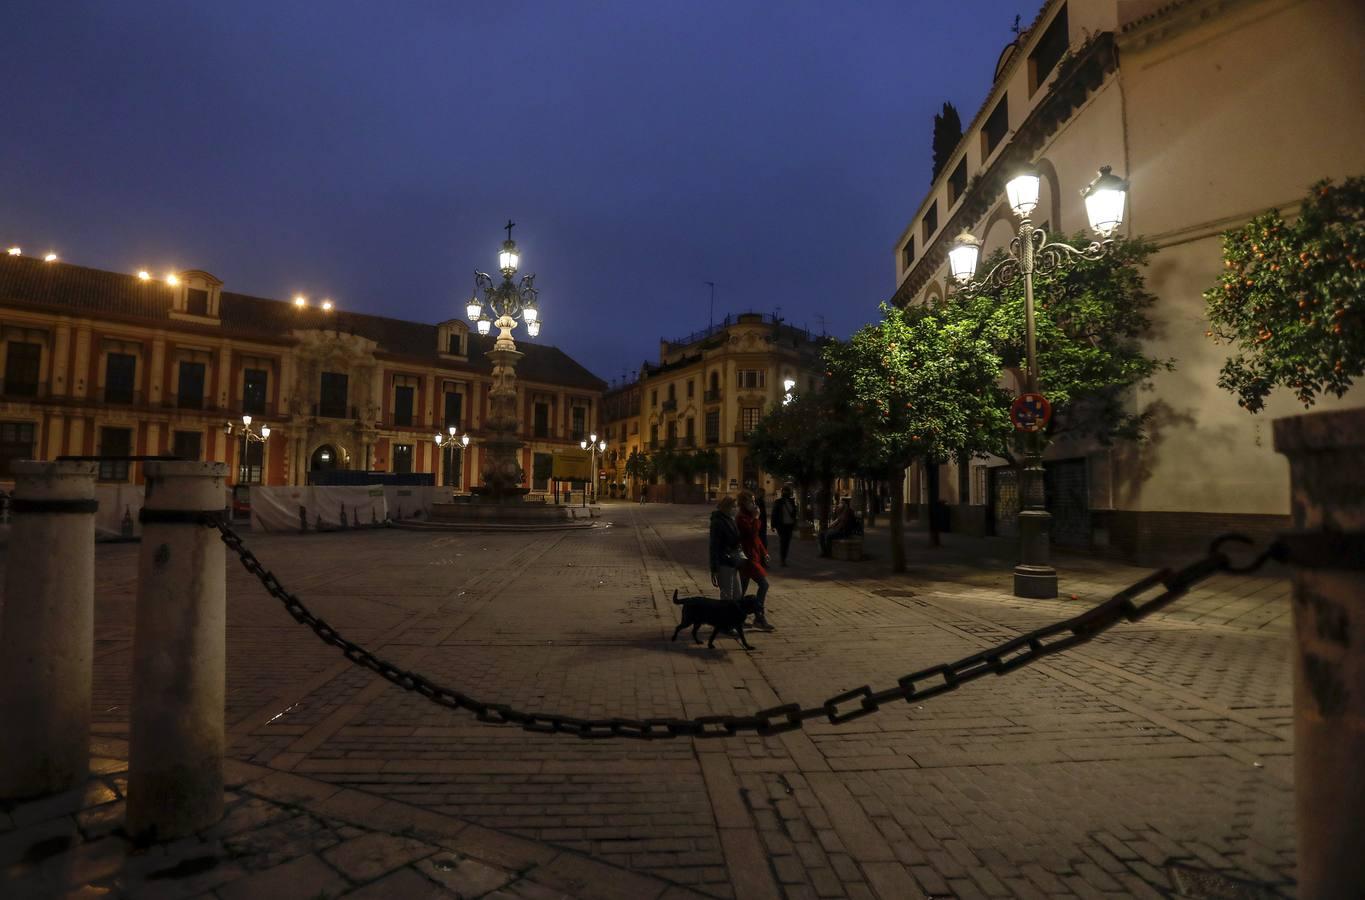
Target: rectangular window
[(187, 445), (690, 438), (332, 396), (957, 182), (690, 387), (16, 442), (22, 361), (542, 420), (713, 427), (908, 253), (542, 465), (579, 423), (672, 431), (190, 389), (402, 458), (115, 442), (254, 383), (654, 398), (997, 125), (752, 379), (654, 437), (197, 302), (453, 344), (748, 418), (930, 222), (120, 377), (1049, 50), (403, 397), (454, 407)]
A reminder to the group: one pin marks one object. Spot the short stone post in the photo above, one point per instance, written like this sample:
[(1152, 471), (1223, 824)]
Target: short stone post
[(1328, 497), (47, 632), (175, 766)]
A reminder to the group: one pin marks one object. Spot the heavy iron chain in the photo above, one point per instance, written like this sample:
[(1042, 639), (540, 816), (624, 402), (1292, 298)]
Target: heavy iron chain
[(916, 687)]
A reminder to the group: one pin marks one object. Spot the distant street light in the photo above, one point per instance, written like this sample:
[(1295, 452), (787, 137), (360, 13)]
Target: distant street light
[(250, 437), (598, 446), (1031, 252)]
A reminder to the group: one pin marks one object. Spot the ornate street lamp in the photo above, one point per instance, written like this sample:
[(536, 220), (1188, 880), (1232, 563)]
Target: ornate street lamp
[(502, 304), (1030, 251), (249, 437), (448, 443), (598, 446)]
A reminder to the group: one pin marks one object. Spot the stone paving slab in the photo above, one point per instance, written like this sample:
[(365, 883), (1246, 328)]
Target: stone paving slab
[(1155, 749), (287, 836)]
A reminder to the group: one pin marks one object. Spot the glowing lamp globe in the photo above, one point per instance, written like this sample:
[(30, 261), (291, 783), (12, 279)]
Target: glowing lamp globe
[(962, 257), (485, 324), (473, 309), (1104, 201), (265, 431), (507, 257), (530, 314), (533, 328), (1022, 191)]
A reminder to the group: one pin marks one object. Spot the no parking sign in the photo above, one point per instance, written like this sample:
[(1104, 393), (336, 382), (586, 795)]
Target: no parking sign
[(1030, 412)]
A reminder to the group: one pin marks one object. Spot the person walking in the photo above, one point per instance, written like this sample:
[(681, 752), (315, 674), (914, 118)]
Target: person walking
[(762, 503), (784, 520), (755, 567), (726, 554)]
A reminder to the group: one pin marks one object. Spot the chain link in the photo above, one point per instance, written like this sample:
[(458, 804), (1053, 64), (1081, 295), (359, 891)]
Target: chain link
[(917, 687)]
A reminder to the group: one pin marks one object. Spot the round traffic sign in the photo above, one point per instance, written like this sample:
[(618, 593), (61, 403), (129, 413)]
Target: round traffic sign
[(1030, 412)]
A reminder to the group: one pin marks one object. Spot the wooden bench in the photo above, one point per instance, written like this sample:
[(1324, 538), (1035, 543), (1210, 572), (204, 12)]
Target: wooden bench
[(849, 549)]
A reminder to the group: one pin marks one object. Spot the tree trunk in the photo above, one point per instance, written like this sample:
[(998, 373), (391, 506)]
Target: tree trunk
[(897, 514), (826, 498), (931, 479)]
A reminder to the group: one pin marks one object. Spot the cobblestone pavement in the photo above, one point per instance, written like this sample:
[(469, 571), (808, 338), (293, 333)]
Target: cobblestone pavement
[(1155, 761)]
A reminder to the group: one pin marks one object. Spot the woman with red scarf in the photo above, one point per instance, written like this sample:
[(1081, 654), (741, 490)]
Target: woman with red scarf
[(755, 569)]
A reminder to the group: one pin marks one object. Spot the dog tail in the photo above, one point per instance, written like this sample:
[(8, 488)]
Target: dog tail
[(675, 597)]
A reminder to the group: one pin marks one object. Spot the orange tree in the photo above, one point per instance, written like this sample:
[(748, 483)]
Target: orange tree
[(922, 385), (1291, 299)]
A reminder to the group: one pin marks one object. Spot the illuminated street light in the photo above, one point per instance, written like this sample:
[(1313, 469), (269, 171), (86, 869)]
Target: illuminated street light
[(50, 257), (144, 275), (1031, 252)]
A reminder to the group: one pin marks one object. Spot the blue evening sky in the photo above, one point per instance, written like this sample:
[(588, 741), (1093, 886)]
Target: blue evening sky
[(372, 151)]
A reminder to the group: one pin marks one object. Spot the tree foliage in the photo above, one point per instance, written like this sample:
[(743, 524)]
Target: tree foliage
[(923, 383), (947, 135), (1291, 299), (1091, 318)]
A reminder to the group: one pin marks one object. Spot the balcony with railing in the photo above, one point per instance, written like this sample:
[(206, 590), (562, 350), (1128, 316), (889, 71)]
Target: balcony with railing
[(713, 437), (22, 389), (669, 406), (712, 396), (742, 434), (335, 411), (689, 440)]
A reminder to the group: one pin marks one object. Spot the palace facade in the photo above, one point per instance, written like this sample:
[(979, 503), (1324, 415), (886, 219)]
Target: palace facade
[(106, 364), (1215, 111), (708, 391)]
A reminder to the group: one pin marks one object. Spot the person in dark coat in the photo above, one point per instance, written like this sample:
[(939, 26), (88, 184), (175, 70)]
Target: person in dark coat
[(726, 554), (755, 568), (784, 521), (762, 504)]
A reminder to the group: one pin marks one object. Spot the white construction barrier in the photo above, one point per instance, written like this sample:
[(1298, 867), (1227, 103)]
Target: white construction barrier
[(413, 501), (320, 507)]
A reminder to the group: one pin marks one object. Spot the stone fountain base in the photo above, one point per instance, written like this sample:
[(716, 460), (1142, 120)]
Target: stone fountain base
[(504, 514)]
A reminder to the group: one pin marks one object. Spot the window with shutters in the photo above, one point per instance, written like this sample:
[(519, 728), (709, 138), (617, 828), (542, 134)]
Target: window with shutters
[(332, 396), (542, 420), (402, 458), (713, 427), (187, 445), (120, 377), (16, 442), (23, 360), (115, 442), (190, 385), (454, 408), (254, 385)]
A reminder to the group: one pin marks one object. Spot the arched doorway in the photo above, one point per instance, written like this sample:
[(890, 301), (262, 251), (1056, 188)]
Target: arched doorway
[(324, 459)]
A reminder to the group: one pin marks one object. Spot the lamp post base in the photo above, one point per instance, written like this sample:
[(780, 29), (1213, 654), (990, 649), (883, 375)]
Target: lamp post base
[(1035, 582)]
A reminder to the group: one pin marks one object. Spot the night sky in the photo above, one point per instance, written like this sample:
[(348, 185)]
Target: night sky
[(371, 152)]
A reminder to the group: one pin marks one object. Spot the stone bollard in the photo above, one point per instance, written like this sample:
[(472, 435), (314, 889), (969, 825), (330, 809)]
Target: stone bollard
[(1328, 501), (175, 764), (47, 633)]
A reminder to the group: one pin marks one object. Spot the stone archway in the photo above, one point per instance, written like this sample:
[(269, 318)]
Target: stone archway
[(325, 458)]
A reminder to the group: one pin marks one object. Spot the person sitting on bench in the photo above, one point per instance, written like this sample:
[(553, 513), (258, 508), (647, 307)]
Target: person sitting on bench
[(845, 524)]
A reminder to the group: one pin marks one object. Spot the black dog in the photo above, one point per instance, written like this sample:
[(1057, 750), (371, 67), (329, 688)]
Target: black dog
[(721, 615)]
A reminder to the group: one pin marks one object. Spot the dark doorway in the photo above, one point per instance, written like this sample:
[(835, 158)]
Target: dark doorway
[(324, 459)]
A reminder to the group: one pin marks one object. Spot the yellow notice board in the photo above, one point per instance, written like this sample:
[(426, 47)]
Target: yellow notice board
[(572, 465)]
